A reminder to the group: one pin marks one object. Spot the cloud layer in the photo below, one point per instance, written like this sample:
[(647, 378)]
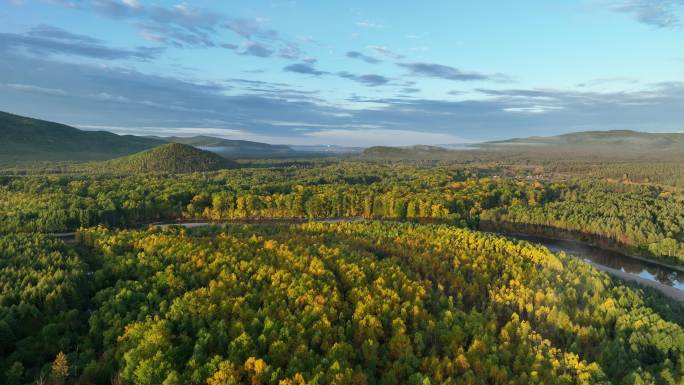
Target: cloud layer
[(432, 70), (189, 68), (92, 95), (658, 13), (46, 40)]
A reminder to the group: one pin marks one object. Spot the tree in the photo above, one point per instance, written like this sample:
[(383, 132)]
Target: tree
[(15, 373), (60, 368)]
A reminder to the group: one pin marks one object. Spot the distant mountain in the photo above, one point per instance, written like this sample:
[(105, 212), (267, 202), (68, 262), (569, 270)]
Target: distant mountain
[(589, 145), (615, 141), (168, 158), (232, 148), (25, 139)]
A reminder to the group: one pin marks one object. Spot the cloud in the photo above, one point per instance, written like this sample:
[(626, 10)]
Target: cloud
[(370, 80), (303, 68), (520, 93), (174, 36), (536, 109), (658, 13), (251, 29), (179, 25), (385, 52), (446, 72), (250, 48), (272, 89), (360, 56), (186, 26), (291, 52), (118, 97), (47, 40), (264, 38), (242, 27), (32, 88), (610, 80), (52, 32), (256, 49), (112, 98), (410, 90)]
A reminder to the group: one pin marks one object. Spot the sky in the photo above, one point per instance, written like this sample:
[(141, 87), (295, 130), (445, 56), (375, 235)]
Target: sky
[(351, 73)]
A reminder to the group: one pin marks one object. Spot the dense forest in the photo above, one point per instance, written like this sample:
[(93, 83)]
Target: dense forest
[(345, 303), (407, 292), (641, 219)]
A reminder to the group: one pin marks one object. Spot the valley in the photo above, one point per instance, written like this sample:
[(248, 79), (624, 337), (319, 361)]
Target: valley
[(341, 193), (178, 265)]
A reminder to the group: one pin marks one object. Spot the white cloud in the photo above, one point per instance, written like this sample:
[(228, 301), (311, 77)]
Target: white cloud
[(342, 137), (109, 97), (533, 109), (384, 51), (32, 88)]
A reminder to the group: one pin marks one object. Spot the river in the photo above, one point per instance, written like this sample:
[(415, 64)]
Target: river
[(668, 280)]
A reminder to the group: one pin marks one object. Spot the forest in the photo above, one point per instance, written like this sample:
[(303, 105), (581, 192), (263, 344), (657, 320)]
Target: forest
[(352, 303), (405, 288), (642, 219)]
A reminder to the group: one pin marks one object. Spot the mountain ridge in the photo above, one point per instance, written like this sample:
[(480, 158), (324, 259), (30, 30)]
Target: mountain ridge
[(25, 139), (28, 139), (597, 137)]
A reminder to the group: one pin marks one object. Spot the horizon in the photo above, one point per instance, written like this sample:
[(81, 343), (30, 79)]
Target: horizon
[(284, 73), (465, 145), (471, 145)]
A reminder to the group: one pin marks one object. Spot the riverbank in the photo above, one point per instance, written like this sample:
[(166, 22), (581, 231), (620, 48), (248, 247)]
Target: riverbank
[(514, 230), (621, 266), (669, 291)]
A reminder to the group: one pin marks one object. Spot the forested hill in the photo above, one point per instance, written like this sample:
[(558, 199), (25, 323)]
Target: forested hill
[(168, 158), (27, 139), (610, 141), (616, 145)]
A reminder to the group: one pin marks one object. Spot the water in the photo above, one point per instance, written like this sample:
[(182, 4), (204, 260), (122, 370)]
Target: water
[(649, 271)]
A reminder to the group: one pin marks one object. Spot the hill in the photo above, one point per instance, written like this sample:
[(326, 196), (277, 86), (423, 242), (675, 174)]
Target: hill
[(24, 139), (618, 143), (615, 145), (168, 158)]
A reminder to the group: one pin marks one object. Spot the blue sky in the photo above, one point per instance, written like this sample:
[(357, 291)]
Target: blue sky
[(346, 72)]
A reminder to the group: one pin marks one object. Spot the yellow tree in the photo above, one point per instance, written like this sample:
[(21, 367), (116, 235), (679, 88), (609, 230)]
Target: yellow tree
[(60, 368)]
